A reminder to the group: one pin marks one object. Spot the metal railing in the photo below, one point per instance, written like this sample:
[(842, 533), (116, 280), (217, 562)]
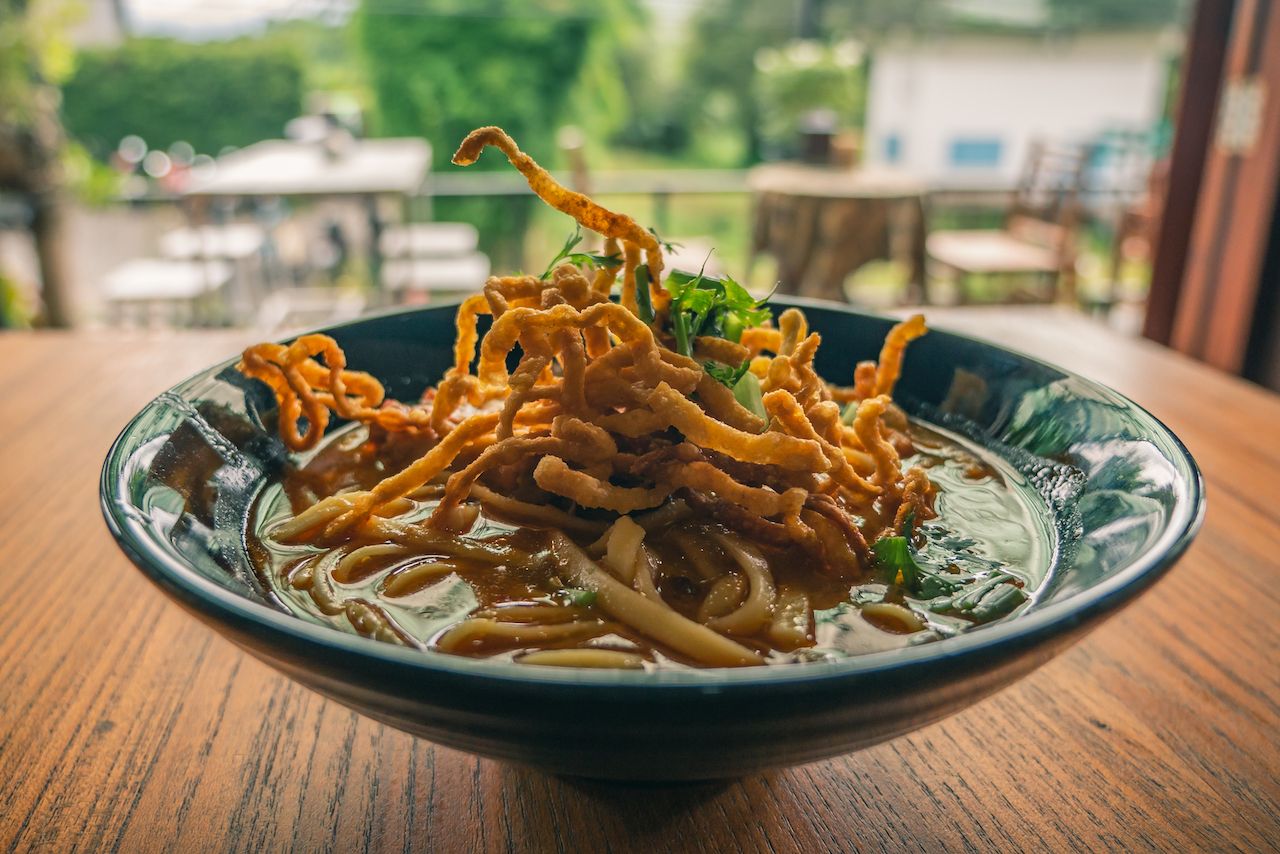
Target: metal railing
[(660, 184)]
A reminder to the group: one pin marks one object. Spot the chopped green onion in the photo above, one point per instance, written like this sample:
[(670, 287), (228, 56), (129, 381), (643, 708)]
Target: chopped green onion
[(747, 392), (998, 603), (733, 326), (994, 597), (644, 300), (680, 328), (896, 556), (579, 598)]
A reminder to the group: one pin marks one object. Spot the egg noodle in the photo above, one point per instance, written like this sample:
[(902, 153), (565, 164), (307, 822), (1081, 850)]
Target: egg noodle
[(679, 411)]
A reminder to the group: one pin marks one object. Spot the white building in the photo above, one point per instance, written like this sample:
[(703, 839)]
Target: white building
[(961, 109)]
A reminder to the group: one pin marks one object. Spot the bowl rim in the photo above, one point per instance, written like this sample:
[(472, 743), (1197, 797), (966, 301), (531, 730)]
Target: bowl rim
[(281, 629)]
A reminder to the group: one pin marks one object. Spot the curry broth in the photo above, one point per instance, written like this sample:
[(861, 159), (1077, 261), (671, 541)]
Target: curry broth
[(412, 598)]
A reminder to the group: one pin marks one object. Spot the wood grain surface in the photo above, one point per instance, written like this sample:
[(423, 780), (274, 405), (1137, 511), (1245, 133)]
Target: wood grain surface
[(126, 725)]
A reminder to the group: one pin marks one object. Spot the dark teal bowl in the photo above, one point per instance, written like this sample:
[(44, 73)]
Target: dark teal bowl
[(1121, 490)]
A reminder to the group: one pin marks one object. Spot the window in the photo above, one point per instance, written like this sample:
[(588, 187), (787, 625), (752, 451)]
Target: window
[(970, 152), (892, 148)]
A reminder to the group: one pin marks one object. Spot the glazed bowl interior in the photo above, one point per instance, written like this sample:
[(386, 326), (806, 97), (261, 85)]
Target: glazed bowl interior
[(1120, 498)]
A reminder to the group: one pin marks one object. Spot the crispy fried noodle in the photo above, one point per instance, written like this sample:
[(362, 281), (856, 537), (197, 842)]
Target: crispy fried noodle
[(593, 429)]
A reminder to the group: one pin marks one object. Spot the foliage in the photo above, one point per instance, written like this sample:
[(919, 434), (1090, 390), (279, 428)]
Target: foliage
[(618, 97), (210, 95), (91, 180), (722, 95), (331, 61), (805, 76), (15, 313), (728, 37), (1097, 14), (34, 50), (439, 69), (719, 94)]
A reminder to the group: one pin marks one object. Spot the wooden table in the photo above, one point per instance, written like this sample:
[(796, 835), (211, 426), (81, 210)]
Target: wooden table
[(126, 725), (821, 224)]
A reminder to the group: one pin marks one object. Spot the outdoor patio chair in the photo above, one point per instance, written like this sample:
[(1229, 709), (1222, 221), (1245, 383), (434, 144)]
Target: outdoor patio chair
[(429, 240), (240, 244), (410, 280), (291, 309), (1038, 240)]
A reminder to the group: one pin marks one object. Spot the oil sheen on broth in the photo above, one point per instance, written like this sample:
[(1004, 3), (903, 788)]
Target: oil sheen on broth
[(986, 524)]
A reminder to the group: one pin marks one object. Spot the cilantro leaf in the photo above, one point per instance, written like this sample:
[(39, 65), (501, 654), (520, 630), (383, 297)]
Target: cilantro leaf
[(727, 374), (572, 241), (579, 259), (711, 305), (666, 245)]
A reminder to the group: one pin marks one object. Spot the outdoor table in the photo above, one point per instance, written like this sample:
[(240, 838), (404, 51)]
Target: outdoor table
[(184, 289), (127, 725), (822, 223), (354, 168), (279, 167)]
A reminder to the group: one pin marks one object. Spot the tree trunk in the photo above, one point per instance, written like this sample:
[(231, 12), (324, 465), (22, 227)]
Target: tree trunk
[(47, 231)]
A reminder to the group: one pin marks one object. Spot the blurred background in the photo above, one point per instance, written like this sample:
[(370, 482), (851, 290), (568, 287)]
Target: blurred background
[(284, 163)]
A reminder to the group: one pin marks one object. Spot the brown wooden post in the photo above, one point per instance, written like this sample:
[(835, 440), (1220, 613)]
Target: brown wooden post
[(1237, 202), (1202, 70)]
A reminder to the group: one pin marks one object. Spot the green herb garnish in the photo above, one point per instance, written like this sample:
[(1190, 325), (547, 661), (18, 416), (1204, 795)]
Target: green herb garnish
[(665, 244), (747, 392), (710, 305), (977, 598), (579, 259), (644, 299), (897, 557), (578, 597), (994, 597), (726, 374)]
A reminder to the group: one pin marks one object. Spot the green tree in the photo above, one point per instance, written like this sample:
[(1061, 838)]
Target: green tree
[(720, 64), (727, 36), (210, 95), (34, 56), (621, 92), (440, 68), (1114, 14)]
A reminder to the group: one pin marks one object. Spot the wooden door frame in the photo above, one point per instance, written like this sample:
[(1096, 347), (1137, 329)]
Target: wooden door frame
[(1209, 309), (1203, 65)]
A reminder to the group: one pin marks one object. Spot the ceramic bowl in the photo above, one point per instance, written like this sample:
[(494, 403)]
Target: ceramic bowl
[(1119, 488)]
